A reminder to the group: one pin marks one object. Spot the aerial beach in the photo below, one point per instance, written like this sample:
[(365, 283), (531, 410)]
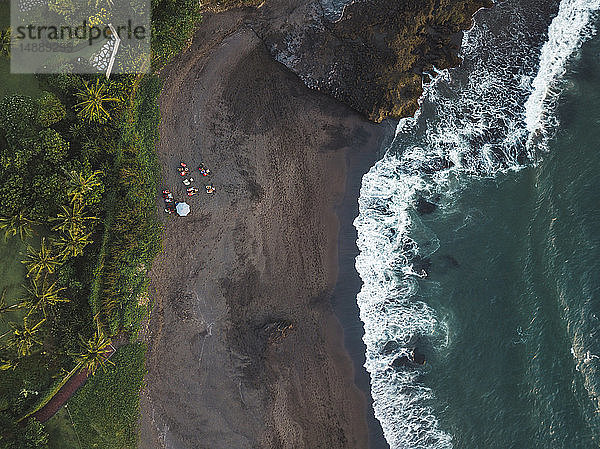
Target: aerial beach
[(279, 153), (261, 252), (300, 224)]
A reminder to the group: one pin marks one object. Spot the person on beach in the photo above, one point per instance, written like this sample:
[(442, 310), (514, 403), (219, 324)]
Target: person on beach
[(203, 170)]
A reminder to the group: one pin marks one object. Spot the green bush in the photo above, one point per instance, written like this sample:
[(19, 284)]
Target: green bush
[(54, 146), (50, 109), (33, 159), (173, 23), (30, 436), (132, 237), (17, 113)]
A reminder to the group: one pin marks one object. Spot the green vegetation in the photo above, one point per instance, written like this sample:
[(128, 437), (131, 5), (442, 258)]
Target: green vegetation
[(24, 337), (5, 42), (133, 237), (40, 261), (173, 22), (12, 276), (30, 436), (94, 352), (94, 100), (61, 433), (18, 224), (78, 180), (110, 400)]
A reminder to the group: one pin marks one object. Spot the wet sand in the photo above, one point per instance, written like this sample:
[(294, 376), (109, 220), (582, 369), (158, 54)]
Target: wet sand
[(245, 350)]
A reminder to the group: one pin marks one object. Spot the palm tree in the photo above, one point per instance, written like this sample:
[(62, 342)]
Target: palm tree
[(94, 352), (5, 42), (25, 337), (71, 219), (93, 97), (17, 224), (72, 243), (81, 185), (41, 261), (41, 296)]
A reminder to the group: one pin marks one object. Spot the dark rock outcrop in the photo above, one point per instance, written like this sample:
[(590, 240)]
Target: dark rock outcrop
[(375, 57), (425, 207)]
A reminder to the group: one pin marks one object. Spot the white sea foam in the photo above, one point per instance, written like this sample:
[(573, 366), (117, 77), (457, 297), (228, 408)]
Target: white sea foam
[(473, 122), (569, 29)]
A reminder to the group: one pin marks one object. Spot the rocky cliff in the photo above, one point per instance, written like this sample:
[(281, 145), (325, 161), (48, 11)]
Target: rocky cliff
[(375, 56)]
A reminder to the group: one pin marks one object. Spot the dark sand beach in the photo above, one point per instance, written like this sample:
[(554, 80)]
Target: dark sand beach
[(244, 347)]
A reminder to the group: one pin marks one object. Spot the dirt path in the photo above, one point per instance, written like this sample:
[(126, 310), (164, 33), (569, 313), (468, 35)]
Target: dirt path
[(68, 389)]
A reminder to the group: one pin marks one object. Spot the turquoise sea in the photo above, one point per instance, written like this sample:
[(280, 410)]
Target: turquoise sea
[(479, 233), (521, 301)]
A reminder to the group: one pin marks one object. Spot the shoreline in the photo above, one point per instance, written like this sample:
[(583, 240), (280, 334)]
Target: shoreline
[(349, 282), (256, 337), (259, 256)]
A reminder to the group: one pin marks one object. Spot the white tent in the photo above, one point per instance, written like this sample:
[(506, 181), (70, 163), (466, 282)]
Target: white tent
[(183, 209)]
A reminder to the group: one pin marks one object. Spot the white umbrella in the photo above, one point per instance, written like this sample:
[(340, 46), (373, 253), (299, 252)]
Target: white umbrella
[(183, 209)]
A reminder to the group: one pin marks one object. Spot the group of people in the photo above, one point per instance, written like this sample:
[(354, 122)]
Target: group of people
[(187, 181), (191, 190)]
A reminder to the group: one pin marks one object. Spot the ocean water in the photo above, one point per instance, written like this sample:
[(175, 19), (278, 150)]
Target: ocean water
[(479, 239)]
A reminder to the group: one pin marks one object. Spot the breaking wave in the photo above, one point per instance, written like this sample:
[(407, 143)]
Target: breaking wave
[(571, 27), (491, 114)]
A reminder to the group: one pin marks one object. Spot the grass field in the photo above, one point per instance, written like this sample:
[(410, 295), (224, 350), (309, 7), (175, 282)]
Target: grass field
[(61, 433), (105, 410)]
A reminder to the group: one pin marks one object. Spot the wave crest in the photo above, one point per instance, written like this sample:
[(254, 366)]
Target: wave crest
[(475, 120)]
